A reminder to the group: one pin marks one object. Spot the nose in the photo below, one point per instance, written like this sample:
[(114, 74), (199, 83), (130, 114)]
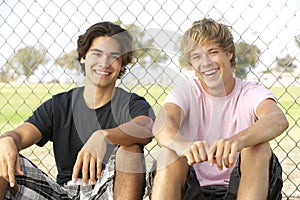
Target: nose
[(105, 61), (206, 61)]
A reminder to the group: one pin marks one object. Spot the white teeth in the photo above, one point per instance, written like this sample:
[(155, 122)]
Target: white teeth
[(102, 73), (210, 72)]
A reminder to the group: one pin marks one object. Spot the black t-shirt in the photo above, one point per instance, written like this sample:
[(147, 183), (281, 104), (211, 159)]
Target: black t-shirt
[(68, 123)]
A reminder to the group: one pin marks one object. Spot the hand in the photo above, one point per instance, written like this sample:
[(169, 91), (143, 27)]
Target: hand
[(9, 160), (197, 152), (89, 159), (224, 151)]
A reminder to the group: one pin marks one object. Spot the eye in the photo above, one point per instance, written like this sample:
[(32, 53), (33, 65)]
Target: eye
[(96, 54), (213, 52), (195, 57), (114, 57)]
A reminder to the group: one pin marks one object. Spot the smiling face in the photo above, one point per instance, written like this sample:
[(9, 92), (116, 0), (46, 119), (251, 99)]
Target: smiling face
[(103, 62), (213, 68)]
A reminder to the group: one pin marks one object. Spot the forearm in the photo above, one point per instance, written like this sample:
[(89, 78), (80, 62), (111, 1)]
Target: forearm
[(16, 138), (167, 135), (137, 131), (263, 130)]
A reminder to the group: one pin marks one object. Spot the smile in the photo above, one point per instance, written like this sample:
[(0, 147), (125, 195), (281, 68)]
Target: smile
[(101, 72), (210, 72)]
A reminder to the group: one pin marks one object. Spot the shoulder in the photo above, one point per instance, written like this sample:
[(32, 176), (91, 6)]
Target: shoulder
[(122, 94), (69, 93), (253, 91), (65, 98), (189, 89), (251, 86)]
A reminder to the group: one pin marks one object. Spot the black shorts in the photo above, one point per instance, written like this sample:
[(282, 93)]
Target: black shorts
[(229, 192)]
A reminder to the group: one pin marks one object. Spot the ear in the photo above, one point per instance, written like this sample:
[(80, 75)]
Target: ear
[(230, 55), (82, 60)]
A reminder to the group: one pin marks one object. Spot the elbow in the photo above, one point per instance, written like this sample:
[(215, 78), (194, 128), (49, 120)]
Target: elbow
[(161, 140), (282, 123), (148, 140)]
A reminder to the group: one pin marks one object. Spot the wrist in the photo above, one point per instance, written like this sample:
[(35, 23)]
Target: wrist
[(103, 135)]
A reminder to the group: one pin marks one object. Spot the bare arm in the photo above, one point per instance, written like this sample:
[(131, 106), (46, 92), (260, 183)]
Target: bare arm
[(24, 135), (11, 143), (166, 132), (137, 131), (166, 128), (270, 124)]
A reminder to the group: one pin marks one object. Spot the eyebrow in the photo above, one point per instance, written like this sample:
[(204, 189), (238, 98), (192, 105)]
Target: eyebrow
[(112, 53)]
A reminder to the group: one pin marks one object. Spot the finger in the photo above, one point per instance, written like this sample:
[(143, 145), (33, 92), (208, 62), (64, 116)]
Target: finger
[(99, 168), (18, 167), (190, 158), (85, 170), (195, 148), (202, 153), (232, 155), (219, 154), (211, 154), (11, 174), (206, 148), (226, 152), (77, 167), (93, 171)]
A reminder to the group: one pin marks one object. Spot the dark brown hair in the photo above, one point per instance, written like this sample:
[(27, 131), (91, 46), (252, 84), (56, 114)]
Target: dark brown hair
[(121, 35)]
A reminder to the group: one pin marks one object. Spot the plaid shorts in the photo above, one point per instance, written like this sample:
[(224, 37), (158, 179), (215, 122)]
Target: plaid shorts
[(36, 184)]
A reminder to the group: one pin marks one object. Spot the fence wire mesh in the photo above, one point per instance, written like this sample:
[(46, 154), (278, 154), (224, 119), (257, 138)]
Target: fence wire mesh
[(38, 39)]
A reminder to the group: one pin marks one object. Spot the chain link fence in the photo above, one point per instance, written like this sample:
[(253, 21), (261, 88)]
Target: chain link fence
[(38, 39)]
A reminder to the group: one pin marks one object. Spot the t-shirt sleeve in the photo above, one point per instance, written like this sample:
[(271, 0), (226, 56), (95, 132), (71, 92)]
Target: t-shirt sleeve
[(179, 95), (139, 106), (256, 94), (42, 118)]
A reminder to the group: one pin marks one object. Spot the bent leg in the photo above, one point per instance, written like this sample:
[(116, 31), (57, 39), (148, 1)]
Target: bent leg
[(254, 169), (3, 188), (171, 176), (130, 173)]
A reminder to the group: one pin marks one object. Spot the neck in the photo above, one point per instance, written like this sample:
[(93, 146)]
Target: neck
[(221, 90), (96, 97)]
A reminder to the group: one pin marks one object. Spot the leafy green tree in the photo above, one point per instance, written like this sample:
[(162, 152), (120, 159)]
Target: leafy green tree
[(246, 57), (285, 63), (26, 61), (144, 50), (68, 60)]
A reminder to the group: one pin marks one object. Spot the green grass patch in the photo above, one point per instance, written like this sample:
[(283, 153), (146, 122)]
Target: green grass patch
[(17, 101)]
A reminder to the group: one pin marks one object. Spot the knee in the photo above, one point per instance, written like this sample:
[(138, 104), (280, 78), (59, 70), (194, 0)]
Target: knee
[(132, 148), (167, 158), (169, 162), (130, 159), (258, 154)]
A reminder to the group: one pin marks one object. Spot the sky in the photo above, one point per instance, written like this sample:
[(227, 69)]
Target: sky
[(56, 24)]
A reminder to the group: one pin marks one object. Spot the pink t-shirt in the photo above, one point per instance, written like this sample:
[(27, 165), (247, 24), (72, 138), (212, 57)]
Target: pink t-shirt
[(210, 118)]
